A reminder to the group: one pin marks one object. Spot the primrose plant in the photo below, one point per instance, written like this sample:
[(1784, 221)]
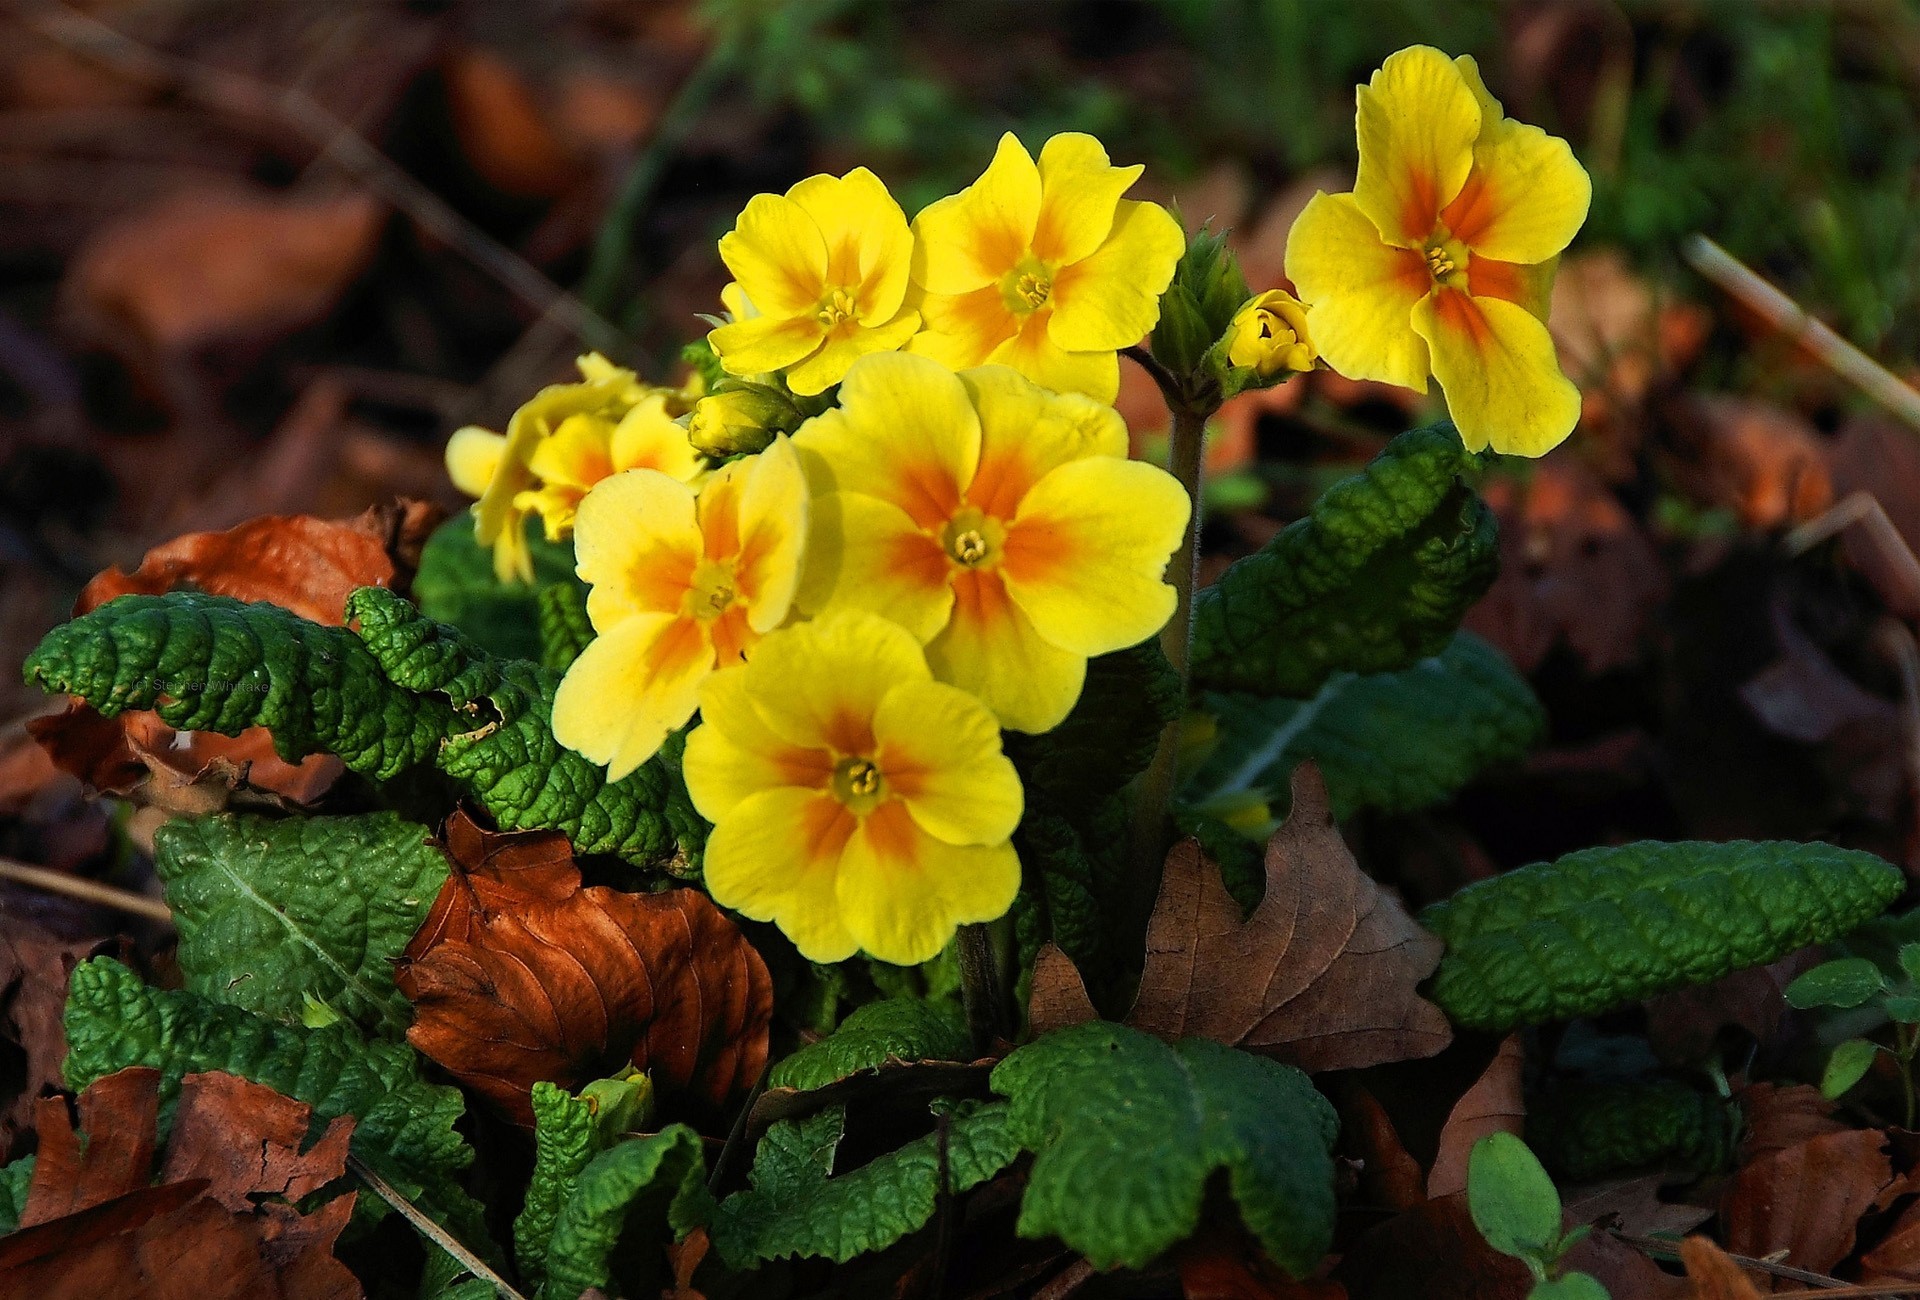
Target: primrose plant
[(864, 671)]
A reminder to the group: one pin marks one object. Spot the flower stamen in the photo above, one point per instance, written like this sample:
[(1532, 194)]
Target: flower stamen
[(836, 307), (857, 782), (712, 591)]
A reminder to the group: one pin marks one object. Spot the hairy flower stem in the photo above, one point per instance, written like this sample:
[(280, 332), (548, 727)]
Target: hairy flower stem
[(980, 986)]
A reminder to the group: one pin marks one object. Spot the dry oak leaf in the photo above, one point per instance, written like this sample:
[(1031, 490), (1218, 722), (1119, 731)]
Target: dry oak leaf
[(1713, 1274), (306, 565), (1807, 1199), (1775, 1117), (521, 975), (1432, 1251), (94, 1224), (1496, 1103), (35, 960), (1322, 975)]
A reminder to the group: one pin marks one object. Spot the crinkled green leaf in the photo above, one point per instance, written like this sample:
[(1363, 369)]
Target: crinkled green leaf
[(456, 584), (897, 1029), (13, 1192), (274, 911), (794, 1206), (1126, 1130), (564, 1142), (1399, 741), (1586, 1131), (402, 692), (1607, 926), (1375, 579), (565, 630), (404, 1125), (1110, 736), (664, 1172), (1075, 878)]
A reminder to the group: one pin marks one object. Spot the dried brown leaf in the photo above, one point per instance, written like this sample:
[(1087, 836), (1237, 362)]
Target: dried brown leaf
[(1059, 995), (1322, 975), (1714, 1276), (1775, 1117), (1432, 1251), (1763, 462), (35, 961), (520, 975), (1806, 1200), (1389, 1175), (1496, 1103), (503, 130), (214, 1108)]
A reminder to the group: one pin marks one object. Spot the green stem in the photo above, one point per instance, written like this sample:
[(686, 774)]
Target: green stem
[(980, 986), (1906, 1042)]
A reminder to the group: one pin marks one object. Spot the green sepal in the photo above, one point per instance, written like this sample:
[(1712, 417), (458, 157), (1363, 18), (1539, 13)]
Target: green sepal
[(299, 918), (1127, 1130), (1375, 579), (616, 1191), (1607, 926), (795, 1206), (896, 1029), (1199, 304)]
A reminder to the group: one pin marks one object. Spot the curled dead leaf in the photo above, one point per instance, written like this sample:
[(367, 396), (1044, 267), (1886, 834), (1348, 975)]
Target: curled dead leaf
[(1763, 462), (1804, 1202), (1432, 1251), (520, 975), (1496, 1103), (1713, 1274), (1777, 1116), (35, 962)]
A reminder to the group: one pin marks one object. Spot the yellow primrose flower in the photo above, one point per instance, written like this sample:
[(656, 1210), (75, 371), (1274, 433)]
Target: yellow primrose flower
[(999, 523), (680, 585), (856, 803), (1269, 335), (821, 275), (587, 448), (1043, 267), (1440, 260)]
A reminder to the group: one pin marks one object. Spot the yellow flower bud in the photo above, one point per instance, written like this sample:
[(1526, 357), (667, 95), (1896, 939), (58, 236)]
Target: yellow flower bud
[(740, 421), (1269, 334)]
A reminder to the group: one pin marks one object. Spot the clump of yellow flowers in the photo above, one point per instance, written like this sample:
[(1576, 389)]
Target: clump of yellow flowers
[(903, 517)]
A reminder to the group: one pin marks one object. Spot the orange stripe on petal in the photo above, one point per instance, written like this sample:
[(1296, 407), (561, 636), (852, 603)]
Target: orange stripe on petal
[(1528, 286), (893, 836)]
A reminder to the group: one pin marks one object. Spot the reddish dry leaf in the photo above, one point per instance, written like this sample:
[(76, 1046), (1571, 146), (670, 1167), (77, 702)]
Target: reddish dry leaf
[(503, 132), (1714, 1276), (520, 975), (1633, 1206), (1434, 1252), (1575, 568), (1896, 1257), (1322, 975), (1389, 1175), (34, 966), (1685, 1026), (1496, 1103), (1775, 1118), (1059, 996), (1221, 1262), (1623, 1271), (1807, 1199), (1763, 462), (93, 1226)]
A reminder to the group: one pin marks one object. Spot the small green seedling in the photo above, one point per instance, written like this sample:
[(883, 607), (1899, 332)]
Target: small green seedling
[(1517, 1209), (1857, 982)]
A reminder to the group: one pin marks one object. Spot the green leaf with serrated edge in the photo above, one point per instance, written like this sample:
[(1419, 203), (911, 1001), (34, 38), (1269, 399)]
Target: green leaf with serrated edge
[(1585, 1131), (1126, 1130), (13, 1192), (1847, 982), (565, 1140), (1847, 1066), (1376, 578), (400, 692), (404, 1126), (272, 912), (1399, 741), (793, 1207), (897, 1029), (565, 629), (664, 1171), (456, 584), (1513, 1202), (1607, 926), (1570, 1286)]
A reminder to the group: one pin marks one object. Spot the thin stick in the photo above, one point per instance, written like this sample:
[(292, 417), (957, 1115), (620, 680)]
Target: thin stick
[(1860, 508), (1066, 1282), (90, 891), (243, 96), (1787, 316), (432, 1231), (1655, 1246)]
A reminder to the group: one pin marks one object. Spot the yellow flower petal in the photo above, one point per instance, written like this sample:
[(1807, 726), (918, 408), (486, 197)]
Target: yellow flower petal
[(473, 458), (1417, 122), (1111, 298), (844, 346), (974, 237), (1027, 431), (1079, 187), (903, 893), (868, 243), (1525, 197), (735, 300), (962, 330), (732, 755), (777, 858), (576, 453), (777, 255), (939, 752), (1359, 293), (818, 684), (1034, 354), (764, 343), (1086, 557), (916, 409), (1530, 286), (1497, 364), (865, 553), (772, 533), (648, 438), (632, 685), (990, 649), (636, 541)]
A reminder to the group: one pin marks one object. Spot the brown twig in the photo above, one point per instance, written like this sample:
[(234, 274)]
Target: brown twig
[(1066, 1281), (1671, 1250), (335, 141), (1861, 508), (89, 891), (432, 1231), (1791, 319)]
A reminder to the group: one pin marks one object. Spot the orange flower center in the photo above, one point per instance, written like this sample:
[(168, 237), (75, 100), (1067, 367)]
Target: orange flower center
[(972, 538), (1027, 286), (711, 592), (857, 783), (836, 307), (1446, 258)]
